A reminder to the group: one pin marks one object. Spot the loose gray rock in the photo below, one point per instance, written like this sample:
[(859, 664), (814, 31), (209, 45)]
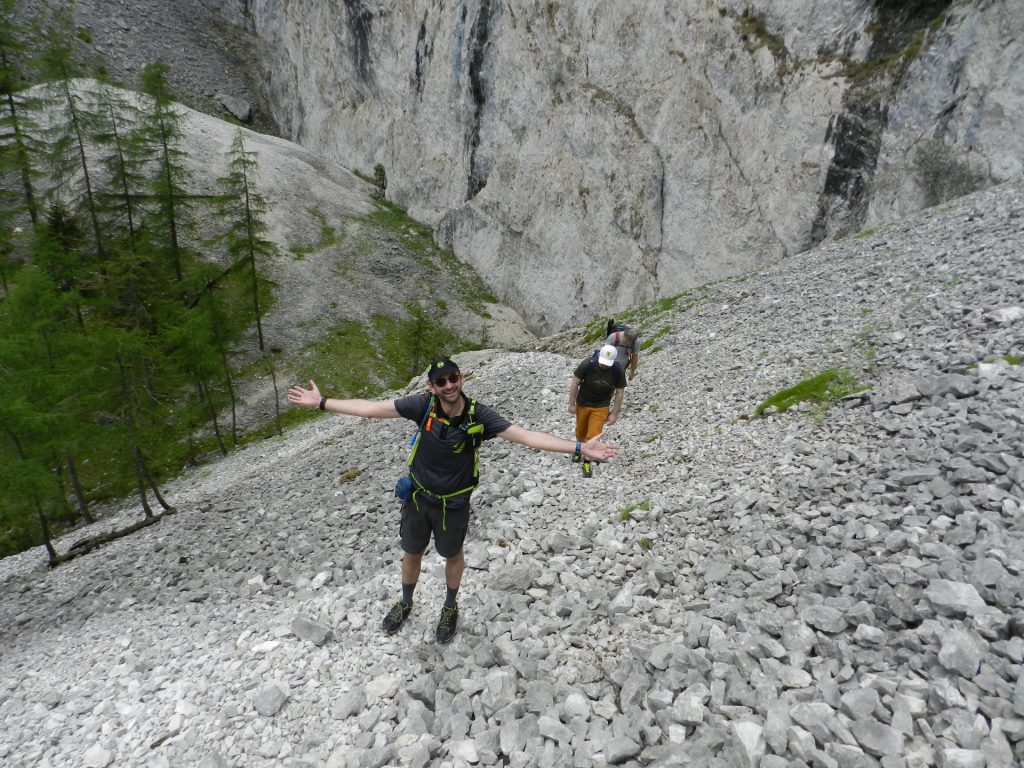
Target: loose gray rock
[(876, 738), (313, 631), (954, 597), (271, 698)]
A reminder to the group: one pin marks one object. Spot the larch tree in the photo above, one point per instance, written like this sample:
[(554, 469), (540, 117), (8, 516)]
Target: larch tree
[(69, 135), (160, 127), (18, 129), (242, 209)]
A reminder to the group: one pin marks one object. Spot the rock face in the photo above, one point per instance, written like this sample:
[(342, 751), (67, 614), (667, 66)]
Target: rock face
[(589, 156), (838, 587)]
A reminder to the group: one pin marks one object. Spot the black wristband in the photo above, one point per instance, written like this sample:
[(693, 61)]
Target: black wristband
[(323, 403)]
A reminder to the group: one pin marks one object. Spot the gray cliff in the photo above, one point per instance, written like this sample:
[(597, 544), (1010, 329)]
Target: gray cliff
[(588, 156)]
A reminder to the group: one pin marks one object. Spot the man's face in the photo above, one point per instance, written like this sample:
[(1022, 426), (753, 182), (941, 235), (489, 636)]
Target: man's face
[(447, 387)]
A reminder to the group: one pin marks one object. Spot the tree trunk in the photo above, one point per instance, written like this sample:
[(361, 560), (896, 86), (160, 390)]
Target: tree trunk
[(151, 481), (90, 198), (204, 394), (76, 487), (141, 482), (277, 399), (45, 526)]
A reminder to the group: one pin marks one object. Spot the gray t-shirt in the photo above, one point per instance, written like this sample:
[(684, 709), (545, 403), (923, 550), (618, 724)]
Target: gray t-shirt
[(624, 351), (444, 460)]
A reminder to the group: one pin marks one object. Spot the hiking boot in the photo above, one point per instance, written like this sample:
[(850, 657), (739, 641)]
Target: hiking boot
[(587, 470), (393, 621), (575, 458), (446, 625)]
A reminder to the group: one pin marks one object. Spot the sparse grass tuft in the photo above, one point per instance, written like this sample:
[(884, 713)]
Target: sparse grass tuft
[(825, 388)]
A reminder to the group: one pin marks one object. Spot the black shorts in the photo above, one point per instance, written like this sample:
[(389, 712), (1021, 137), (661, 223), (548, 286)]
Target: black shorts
[(424, 517)]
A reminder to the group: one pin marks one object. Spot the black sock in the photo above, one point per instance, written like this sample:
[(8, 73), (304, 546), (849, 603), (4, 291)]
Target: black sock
[(407, 590), (449, 597)]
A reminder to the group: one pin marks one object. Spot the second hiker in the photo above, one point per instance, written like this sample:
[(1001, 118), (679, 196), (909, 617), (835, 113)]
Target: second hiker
[(595, 397)]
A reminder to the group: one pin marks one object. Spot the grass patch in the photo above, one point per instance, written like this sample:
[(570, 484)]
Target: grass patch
[(656, 436), (823, 389), (358, 361), (418, 240), (626, 514), (649, 341), (328, 236), (639, 317), (645, 544)]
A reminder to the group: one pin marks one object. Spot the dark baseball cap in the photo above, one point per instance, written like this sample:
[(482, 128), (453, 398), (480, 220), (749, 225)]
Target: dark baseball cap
[(441, 366)]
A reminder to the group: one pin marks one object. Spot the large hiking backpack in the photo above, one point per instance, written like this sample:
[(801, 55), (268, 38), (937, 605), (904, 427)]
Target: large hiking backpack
[(612, 327)]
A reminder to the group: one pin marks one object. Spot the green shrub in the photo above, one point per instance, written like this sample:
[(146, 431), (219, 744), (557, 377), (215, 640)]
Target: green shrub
[(825, 388)]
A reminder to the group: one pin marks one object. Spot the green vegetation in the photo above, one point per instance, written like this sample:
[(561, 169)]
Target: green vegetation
[(357, 361), (626, 514), (653, 438), (865, 233), (123, 331), (823, 389), (648, 342), (418, 239), (639, 317), (379, 179), (1008, 359), (125, 318), (329, 236), (645, 544), (755, 34)]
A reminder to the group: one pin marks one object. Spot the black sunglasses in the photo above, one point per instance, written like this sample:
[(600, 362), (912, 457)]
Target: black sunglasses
[(440, 381)]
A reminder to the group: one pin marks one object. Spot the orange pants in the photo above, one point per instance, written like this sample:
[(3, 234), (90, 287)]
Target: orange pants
[(589, 421)]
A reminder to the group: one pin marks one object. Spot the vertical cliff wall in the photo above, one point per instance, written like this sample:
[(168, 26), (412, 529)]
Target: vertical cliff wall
[(588, 155)]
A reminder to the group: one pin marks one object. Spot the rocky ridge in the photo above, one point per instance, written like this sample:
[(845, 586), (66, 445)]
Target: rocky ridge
[(832, 589)]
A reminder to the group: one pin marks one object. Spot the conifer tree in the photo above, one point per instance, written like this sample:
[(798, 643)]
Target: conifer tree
[(127, 154), (69, 136), (160, 124), (220, 333), (17, 128), (241, 208), (33, 338)]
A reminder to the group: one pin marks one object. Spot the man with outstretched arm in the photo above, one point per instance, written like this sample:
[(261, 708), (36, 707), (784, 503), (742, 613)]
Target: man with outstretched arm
[(444, 470)]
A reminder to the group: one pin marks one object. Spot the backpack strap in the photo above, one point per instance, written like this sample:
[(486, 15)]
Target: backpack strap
[(414, 440)]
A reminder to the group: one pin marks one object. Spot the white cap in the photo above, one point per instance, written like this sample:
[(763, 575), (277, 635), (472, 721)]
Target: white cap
[(607, 355)]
